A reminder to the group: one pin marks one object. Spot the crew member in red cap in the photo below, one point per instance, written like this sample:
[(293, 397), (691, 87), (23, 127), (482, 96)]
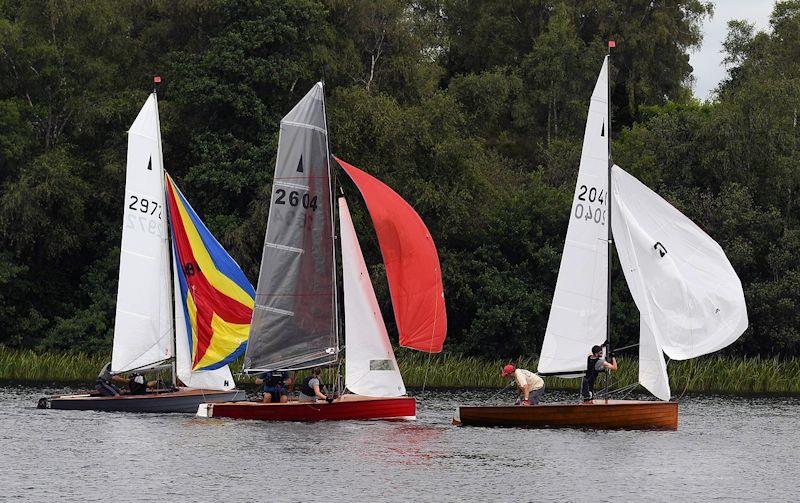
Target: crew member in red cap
[(529, 385)]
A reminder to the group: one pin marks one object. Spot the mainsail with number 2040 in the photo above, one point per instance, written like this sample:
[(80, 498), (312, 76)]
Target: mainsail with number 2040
[(689, 297)]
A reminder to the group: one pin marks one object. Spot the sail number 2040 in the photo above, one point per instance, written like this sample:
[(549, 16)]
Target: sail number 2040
[(294, 198), (584, 209)]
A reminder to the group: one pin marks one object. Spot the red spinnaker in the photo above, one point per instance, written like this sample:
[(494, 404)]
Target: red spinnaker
[(412, 264)]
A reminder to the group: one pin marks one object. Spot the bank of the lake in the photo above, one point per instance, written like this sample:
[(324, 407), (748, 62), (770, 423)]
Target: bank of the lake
[(710, 374)]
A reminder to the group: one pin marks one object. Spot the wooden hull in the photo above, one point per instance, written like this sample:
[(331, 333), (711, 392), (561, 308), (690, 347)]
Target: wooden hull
[(599, 414), (348, 407), (183, 400)]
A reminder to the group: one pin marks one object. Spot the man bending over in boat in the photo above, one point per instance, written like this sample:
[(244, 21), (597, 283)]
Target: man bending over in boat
[(595, 364), (105, 382), (311, 390), (276, 384), (529, 385)]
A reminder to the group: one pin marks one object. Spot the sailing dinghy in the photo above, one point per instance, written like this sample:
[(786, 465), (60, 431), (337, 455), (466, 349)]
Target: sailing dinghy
[(295, 321), (195, 316), (689, 297)]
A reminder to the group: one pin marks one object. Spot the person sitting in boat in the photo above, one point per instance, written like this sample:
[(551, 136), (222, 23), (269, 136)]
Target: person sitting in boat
[(138, 385), (529, 385), (311, 390), (595, 364), (275, 386), (105, 382)]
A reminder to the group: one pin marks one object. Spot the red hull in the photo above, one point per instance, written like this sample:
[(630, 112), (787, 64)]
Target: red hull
[(599, 414), (348, 407)]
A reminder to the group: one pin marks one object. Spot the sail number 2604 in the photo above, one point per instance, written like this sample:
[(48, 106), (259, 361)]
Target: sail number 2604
[(294, 198), (590, 205)]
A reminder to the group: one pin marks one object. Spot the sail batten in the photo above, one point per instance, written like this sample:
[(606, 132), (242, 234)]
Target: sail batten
[(293, 322), (577, 319)]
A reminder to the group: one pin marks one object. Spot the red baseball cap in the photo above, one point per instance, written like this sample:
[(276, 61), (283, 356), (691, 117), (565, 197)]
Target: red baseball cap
[(507, 370)]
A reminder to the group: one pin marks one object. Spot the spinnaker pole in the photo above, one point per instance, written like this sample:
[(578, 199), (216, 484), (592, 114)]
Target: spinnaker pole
[(611, 44)]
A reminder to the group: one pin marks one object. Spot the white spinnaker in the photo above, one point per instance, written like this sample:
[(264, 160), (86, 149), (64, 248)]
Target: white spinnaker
[(371, 368), (578, 313), (143, 325), (218, 379), (689, 297)]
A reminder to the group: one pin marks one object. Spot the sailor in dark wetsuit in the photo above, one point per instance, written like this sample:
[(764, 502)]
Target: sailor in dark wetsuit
[(275, 384), (595, 364)]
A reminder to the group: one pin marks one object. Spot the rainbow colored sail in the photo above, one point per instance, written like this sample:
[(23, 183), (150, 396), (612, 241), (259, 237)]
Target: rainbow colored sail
[(217, 299)]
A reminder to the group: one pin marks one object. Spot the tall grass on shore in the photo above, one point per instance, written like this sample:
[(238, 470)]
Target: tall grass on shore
[(713, 374), (29, 366)]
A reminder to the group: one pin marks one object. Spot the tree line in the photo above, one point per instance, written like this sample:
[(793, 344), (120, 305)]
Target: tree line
[(472, 110)]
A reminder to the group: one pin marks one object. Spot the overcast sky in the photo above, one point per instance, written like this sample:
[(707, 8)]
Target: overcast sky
[(707, 62)]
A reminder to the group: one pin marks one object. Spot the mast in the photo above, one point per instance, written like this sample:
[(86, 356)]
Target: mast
[(165, 212), (611, 44), (332, 179)]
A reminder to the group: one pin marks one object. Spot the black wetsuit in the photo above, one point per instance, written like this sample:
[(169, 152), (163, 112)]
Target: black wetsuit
[(592, 371)]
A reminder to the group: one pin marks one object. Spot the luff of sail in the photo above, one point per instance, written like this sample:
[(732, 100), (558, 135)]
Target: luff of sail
[(293, 322), (143, 326), (371, 368), (213, 300), (690, 299), (577, 318), (412, 264)]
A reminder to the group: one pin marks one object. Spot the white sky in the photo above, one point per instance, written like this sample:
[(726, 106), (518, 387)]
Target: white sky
[(707, 62)]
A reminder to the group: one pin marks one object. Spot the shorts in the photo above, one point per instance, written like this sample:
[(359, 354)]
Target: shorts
[(276, 391)]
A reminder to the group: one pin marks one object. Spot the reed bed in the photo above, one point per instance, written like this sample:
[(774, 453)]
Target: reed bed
[(30, 366), (710, 374)]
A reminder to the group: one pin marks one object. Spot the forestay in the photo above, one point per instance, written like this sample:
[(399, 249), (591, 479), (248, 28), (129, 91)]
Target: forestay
[(143, 325), (578, 313), (294, 318), (371, 368), (689, 297)]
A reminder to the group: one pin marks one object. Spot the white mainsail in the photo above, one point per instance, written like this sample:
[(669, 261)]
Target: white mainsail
[(578, 313), (371, 367), (143, 325), (689, 297)]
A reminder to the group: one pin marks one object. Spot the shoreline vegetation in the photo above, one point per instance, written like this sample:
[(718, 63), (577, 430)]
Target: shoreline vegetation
[(710, 374)]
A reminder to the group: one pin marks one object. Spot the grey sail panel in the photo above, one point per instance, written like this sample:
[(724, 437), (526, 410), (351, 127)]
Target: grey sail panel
[(294, 317)]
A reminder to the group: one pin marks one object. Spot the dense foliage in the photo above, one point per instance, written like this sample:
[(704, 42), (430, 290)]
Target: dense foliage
[(473, 110)]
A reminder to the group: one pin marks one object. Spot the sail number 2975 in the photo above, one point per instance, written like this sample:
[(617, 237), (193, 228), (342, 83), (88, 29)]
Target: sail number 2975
[(294, 198), (590, 205)]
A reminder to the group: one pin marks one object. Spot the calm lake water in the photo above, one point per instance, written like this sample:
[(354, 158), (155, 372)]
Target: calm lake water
[(726, 449)]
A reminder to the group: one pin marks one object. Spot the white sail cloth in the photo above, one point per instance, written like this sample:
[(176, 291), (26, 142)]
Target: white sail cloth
[(689, 297), (142, 327), (371, 367), (578, 313)]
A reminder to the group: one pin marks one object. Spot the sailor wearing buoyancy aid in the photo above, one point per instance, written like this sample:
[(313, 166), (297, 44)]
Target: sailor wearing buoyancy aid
[(311, 390), (595, 364)]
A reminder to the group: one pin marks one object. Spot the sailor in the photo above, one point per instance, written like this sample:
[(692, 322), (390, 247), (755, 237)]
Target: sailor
[(311, 390), (105, 382), (138, 385), (275, 386), (595, 364), (529, 385)]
